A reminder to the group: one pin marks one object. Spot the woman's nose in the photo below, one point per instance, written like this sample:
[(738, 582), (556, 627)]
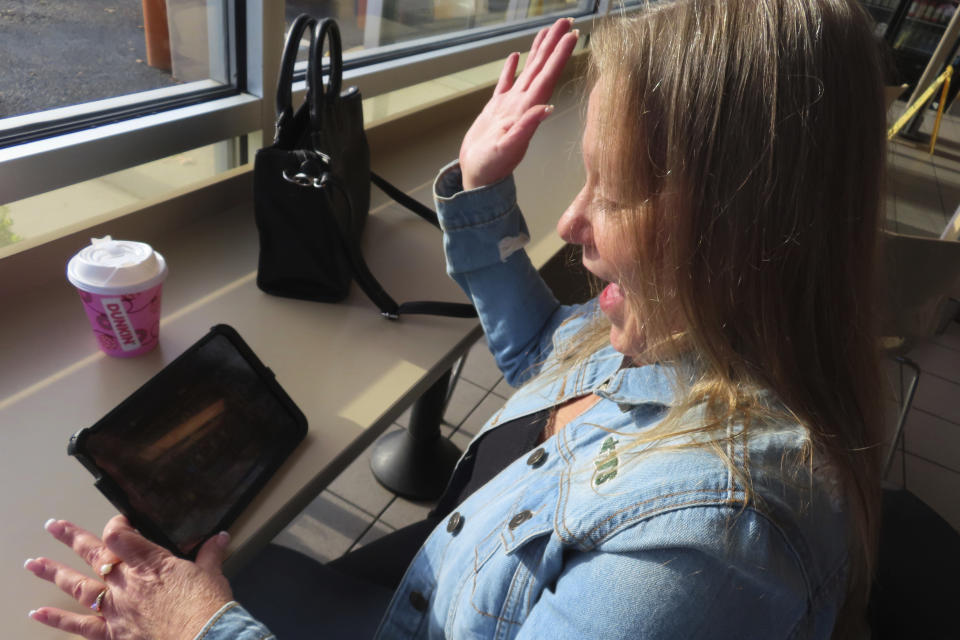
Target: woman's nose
[(574, 225)]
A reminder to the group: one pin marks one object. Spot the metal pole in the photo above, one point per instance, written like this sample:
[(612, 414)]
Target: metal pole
[(416, 462)]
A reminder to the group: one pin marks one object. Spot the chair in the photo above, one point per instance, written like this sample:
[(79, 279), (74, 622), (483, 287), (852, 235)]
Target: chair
[(922, 287)]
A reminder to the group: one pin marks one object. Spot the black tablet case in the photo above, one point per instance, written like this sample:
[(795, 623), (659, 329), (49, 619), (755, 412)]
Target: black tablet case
[(185, 453)]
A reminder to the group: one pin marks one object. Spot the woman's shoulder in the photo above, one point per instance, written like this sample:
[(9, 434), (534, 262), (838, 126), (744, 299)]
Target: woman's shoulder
[(629, 481), (785, 524)]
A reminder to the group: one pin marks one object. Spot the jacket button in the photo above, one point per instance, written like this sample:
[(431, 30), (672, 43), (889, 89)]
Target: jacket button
[(520, 518), (418, 601), (454, 523), (537, 457)]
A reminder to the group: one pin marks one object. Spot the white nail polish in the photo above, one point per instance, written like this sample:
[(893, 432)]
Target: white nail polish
[(48, 524), (32, 611), (26, 562)]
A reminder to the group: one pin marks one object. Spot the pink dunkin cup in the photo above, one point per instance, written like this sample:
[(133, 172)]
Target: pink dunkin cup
[(119, 282)]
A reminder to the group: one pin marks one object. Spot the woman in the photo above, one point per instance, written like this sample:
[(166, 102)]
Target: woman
[(701, 433)]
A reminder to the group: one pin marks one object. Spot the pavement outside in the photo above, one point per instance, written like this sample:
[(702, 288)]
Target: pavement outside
[(55, 53)]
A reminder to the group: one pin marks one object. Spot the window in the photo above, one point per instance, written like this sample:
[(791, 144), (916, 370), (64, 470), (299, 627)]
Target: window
[(105, 109), (113, 61), (368, 25), (43, 216), (132, 83)]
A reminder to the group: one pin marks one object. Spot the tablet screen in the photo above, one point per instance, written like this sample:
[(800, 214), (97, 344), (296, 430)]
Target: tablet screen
[(191, 445)]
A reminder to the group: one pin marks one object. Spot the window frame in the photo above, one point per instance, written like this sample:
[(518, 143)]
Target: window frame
[(45, 164)]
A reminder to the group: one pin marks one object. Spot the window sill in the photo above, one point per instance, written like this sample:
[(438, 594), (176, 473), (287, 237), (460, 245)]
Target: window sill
[(108, 148)]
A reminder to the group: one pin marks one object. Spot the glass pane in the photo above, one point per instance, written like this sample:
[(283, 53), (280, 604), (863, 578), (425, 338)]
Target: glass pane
[(49, 214), (882, 12), (58, 54), (924, 26), (368, 24)]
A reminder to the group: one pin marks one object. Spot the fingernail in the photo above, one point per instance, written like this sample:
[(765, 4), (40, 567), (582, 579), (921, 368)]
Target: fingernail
[(548, 109), (223, 538), (570, 20), (576, 32), (48, 524), (32, 613), (26, 562)]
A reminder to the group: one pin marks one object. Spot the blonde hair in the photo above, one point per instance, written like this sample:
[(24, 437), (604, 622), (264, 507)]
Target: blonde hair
[(744, 143)]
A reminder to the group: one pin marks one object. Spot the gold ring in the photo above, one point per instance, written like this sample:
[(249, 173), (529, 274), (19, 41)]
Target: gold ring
[(105, 569), (98, 603)]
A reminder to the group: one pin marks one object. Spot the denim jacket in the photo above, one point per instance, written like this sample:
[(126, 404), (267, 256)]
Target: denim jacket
[(589, 537)]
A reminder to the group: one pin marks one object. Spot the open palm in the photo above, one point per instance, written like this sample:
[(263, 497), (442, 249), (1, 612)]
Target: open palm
[(497, 140)]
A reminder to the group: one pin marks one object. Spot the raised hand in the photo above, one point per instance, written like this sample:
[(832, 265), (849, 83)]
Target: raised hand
[(498, 138), (143, 591)]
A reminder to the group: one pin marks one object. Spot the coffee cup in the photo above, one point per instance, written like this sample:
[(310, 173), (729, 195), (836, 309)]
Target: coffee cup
[(119, 282)]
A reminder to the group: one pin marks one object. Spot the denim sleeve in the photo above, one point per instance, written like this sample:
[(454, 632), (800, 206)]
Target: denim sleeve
[(232, 622), (483, 238), (692, 587)]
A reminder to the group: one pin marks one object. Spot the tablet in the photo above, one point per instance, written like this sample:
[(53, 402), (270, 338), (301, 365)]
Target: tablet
[(185, 453)]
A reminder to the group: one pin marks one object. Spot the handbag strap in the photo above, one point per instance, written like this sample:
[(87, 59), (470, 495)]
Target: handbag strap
[(413, 205), (361, 272)]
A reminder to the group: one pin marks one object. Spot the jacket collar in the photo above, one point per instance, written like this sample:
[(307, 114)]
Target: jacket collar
[(631, 386), (604, 374)]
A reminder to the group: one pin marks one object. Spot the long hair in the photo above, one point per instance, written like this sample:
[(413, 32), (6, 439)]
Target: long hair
[(747, 139)]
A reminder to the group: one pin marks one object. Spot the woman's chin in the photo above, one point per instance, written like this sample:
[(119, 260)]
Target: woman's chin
[(621, 342), (613, 305)]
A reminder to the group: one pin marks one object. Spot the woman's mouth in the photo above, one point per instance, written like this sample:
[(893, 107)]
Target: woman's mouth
[(611, 298)]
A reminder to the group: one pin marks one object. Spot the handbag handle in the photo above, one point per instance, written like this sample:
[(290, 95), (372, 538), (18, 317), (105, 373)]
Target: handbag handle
[(285, 81), (316, 92)]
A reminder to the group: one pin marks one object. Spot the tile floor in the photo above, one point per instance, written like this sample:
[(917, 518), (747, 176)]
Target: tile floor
[(923, 192), (355, 509)]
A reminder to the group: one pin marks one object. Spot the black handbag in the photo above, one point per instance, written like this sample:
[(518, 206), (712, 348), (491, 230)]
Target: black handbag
[(312, 187)]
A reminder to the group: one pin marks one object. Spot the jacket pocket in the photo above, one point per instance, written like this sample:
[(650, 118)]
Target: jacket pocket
[(503, 587)]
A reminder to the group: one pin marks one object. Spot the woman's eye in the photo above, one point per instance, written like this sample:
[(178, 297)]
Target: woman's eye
[(605, 205)]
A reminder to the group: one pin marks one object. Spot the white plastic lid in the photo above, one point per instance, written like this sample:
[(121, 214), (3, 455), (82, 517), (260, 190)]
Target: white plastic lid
[(111, 266)]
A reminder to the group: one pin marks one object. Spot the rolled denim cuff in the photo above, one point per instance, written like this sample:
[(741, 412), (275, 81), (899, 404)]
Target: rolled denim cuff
[(482, 226), (233, 622)]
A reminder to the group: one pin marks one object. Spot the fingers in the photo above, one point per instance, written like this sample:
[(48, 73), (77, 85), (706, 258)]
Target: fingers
[(210, 555), (542, 85), (128, 545), (84, 544), (537, 41), (543, 76), (545, 48), (80, 587), (90, 627), (508, 73)]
